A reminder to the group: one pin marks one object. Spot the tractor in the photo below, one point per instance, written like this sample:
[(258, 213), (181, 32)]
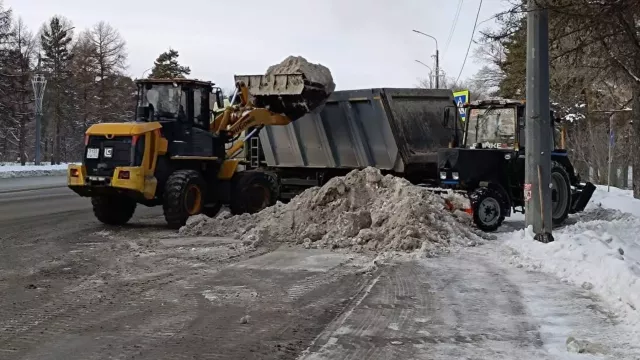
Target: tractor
[(488, 165), (173, 155)]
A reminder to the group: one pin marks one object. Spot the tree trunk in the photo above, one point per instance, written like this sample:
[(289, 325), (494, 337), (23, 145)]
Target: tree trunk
[(635, 117)]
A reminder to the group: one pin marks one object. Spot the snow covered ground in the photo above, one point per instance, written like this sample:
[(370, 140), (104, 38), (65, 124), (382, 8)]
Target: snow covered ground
[(13, 170), (598, 250)]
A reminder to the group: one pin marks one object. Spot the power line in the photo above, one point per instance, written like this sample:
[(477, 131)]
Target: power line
[(453, 27), (470, 41)]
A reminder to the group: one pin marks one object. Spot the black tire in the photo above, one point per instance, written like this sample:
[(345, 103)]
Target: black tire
[(253, 191), (114, 209), (487, 205), (561, 185), (184, 196)]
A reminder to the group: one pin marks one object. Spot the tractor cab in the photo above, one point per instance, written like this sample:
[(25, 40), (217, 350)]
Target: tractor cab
[(499, 124)]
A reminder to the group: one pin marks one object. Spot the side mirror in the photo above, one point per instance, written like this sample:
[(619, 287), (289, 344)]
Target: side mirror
[(219, 99), (445, 119)]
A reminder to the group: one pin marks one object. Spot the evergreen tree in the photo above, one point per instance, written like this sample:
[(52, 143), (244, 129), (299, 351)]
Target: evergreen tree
[(55, 40), (166, 66)]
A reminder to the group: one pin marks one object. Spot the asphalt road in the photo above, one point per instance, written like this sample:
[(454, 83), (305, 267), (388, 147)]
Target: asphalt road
[(72, 288)]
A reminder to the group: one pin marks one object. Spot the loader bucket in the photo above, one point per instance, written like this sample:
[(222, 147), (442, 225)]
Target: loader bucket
[(289, 94)]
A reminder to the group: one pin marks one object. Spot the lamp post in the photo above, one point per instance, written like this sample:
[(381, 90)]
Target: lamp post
[(437, 57), (39, 83), (430, 73)]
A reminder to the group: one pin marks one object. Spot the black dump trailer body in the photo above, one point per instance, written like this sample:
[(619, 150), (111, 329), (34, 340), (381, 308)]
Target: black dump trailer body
[(398, 131)]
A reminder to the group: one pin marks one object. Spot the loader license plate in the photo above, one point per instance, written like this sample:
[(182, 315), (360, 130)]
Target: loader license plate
[(93, 153)]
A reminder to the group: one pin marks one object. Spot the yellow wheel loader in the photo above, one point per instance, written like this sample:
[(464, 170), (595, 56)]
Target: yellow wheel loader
[(174, 155)]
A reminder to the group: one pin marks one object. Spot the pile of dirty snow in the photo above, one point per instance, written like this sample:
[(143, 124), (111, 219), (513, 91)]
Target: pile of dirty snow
[(361, 211), (313, 72)]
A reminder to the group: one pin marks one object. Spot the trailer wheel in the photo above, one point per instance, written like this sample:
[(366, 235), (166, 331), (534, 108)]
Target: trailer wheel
[(487, 205), (561, 194), (114, 209), (183, 197), (252, 192)]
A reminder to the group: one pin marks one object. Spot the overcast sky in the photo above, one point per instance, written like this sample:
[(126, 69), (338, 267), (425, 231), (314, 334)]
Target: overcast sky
[(365, 43)]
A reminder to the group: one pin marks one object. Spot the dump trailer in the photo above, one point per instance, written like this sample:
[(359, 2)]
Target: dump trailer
[(396, 130)]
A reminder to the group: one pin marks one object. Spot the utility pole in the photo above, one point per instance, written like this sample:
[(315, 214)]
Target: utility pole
[(437, 57), (437, 66), (538, 144)]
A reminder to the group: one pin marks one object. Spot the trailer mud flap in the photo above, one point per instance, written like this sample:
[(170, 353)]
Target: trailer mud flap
[(581, 197)]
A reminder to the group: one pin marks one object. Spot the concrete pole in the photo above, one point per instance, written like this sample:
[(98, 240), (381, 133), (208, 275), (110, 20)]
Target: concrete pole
[(537, 189), (437, 67)]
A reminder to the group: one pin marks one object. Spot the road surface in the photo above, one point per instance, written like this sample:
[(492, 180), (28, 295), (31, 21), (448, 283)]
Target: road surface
[(71, 288)]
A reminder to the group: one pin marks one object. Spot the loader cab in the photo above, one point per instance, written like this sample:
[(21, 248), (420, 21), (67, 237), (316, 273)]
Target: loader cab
[(185, 101)]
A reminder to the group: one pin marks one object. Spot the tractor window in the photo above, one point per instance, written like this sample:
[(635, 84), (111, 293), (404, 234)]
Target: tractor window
[(492, 127)]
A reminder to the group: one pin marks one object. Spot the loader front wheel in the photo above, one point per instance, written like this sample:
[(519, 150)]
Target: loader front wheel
[(487, 205), (183, 197), (113, 210), (252, 192)]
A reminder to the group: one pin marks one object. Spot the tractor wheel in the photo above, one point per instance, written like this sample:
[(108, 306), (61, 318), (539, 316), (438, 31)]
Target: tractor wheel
[(252, 192), (561, 194), (487, 205), (113, 210), (184, 195)]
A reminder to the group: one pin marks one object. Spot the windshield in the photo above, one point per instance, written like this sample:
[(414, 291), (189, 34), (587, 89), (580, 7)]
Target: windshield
[(492, 127), (164, 100)]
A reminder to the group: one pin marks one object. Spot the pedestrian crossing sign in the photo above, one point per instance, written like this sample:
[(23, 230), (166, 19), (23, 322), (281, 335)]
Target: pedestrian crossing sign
[(461, 98)]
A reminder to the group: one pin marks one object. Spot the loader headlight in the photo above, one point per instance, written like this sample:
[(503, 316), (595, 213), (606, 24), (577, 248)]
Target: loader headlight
[(443, 175), (455, 176)]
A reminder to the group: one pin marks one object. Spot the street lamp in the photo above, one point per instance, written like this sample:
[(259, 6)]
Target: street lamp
[(39, 83), (437, 57), (430, 73)]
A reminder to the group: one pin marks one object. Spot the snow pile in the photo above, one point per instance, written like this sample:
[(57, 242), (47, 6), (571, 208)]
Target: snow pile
[(617, 199), (313, 72), (13, 170), (600, 252), (361, 211)]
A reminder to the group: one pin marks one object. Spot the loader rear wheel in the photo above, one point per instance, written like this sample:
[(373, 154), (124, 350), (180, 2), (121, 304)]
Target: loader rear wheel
[(560, 194), (113, 210), (252, 192), (487, 205), (183, 197)]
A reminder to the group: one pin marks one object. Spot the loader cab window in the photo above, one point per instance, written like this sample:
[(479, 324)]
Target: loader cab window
[(492, 127), (201, 114), (163, 101)]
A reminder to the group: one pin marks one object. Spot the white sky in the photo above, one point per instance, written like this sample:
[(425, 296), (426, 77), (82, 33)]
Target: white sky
[(365, 43)]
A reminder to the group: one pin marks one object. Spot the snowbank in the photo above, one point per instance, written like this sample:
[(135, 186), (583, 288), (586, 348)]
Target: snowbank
[(362, 211), (599, 250), (617, 199), (13, 170)]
